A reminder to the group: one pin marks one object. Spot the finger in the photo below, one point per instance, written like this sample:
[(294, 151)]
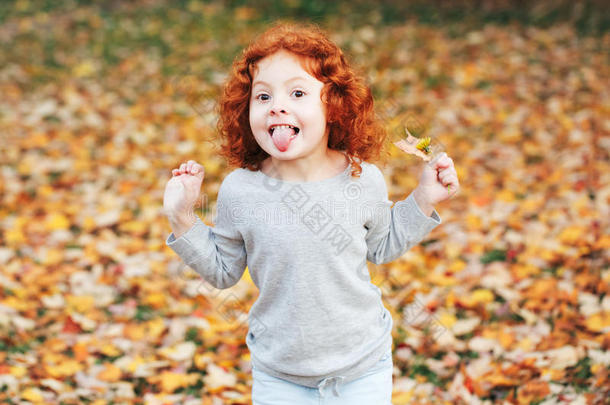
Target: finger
[(197, 168), (444, 177), (453, 190), (175, 172), (447, 171), (183, 168), (447, 161), (452, 185), (450, 171), (442, 161), (189, 165), (449, 179)]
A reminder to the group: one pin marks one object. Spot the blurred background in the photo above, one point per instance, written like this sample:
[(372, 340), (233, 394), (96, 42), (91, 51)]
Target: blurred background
[(507, 301)]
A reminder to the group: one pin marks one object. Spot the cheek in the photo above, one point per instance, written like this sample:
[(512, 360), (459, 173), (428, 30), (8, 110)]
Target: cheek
[(254, 116)]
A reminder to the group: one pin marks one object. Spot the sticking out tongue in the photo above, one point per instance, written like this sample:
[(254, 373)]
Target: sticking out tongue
[(282, 137)]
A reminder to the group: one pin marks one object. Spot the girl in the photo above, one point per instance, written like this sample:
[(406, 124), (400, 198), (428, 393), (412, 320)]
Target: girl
[(304, 212)]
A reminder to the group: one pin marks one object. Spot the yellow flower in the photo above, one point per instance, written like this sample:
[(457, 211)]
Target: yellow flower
[(424, 145)]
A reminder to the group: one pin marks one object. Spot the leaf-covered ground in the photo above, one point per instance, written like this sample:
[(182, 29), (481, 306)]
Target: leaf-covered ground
[(508, 301)]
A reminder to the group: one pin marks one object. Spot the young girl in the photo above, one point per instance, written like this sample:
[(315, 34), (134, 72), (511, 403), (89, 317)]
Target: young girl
[(304, 212)]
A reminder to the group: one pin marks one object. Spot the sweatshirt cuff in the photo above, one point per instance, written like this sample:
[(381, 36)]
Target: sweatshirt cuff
[(410, 211), (186, 245), (434, 216)]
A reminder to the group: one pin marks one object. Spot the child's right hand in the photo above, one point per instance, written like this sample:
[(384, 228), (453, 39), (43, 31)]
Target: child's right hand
[(182, 190)]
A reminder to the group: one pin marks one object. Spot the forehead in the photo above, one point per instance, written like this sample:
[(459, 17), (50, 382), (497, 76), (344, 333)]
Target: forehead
[(283, 61)]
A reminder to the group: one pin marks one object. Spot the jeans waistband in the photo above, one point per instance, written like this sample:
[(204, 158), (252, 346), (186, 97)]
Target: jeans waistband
[(328, 381)]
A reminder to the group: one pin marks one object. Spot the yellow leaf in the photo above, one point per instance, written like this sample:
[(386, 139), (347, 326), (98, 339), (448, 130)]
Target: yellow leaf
[(20, 293), (52, 256), (80, 303), (402, 397), (603, 242), (473, 222), (525, 344), (44, 190), (247, 277), (598, 322), (24, 168), (447, 319), (66, 368), (572, 234), (15, 303), (155, 328), (18, 371), (57, 221), (134, 227), (156, 300), (522, 271), (38, 140), (481, 296), (85, 68), (506, 196), (14, 236), (441, 280), (201, 360), (457, 266), (110, 350), (136, 361), (505, 339), (552, 374), (110, 374), (172, 381), (450, 300), (32, 394), (134, 331), (89, 224)]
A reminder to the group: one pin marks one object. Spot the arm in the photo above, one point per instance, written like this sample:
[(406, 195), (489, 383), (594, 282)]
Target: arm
[(216, 253), (391, 231)]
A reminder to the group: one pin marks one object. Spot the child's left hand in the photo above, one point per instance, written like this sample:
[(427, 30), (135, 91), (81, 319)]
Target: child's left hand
[(438, 181)]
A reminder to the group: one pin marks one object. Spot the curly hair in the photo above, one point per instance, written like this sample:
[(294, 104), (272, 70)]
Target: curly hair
[(351, 121)]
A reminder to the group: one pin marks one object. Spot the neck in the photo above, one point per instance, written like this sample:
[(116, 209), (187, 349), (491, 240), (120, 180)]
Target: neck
[(310, 168)]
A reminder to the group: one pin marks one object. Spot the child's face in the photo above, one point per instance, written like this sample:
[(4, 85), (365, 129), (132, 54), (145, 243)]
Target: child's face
[(287, 116)]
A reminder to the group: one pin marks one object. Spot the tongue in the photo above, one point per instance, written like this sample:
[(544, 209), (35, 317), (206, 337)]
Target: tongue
[(282, 137)]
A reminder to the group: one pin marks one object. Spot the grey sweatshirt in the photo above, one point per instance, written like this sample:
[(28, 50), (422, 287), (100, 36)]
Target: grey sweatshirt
[(306, 245)]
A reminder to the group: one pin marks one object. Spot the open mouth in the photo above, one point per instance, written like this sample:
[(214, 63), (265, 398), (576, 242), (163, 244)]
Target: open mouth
[(282, 128)]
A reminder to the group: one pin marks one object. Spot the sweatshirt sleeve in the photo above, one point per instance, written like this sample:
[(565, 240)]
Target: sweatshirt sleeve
[(217, 253), (391, 231)]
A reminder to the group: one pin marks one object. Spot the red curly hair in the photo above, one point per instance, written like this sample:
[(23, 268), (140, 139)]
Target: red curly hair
[(351, 121)]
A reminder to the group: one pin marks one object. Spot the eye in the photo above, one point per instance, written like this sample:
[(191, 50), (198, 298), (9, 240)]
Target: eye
[(298, 93), (263, 97)]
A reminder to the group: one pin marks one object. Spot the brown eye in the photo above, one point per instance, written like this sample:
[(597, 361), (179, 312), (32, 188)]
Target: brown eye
[(298, 93)]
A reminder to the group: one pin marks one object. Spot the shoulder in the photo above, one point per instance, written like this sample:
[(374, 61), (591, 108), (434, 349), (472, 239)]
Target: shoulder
[(371, 174), (234, 182), (371, 183)]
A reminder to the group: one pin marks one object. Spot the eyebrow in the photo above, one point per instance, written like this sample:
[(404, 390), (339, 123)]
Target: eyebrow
[(292, 79)]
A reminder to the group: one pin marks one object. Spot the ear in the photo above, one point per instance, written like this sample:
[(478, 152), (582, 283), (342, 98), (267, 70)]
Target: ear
[(324, 98)]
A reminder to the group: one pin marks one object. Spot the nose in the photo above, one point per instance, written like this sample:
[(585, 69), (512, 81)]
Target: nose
[(278, 111), (278, 108)]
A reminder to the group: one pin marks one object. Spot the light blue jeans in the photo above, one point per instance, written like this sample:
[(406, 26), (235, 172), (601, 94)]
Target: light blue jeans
[(372, 388)]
